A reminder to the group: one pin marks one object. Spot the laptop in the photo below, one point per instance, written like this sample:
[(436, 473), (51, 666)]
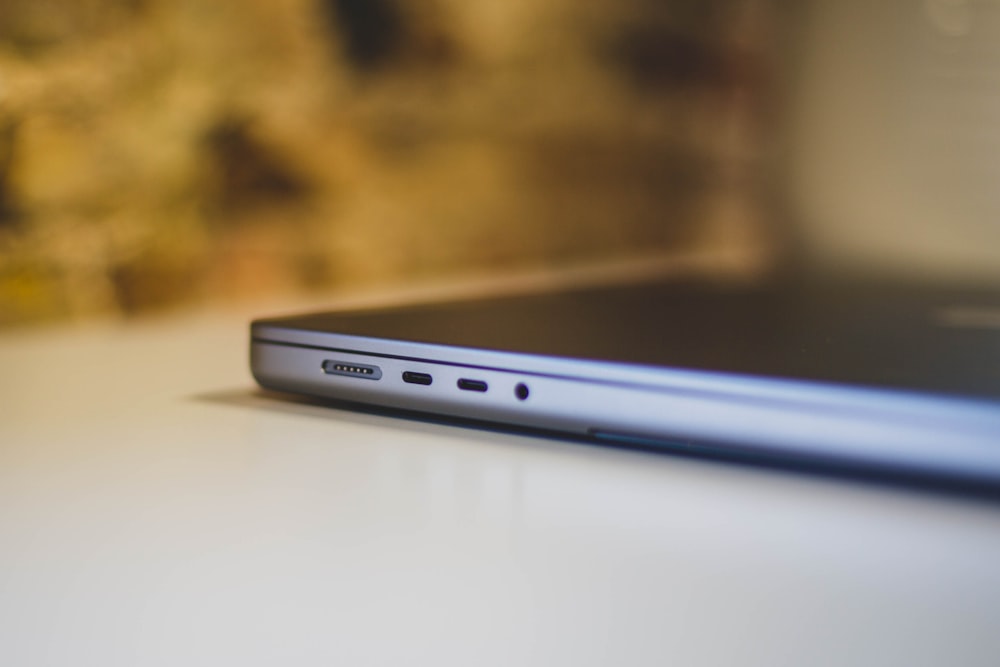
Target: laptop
[(873, 344)]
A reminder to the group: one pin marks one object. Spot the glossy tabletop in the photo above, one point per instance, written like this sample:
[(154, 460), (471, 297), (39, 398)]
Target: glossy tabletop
[(157, 509)]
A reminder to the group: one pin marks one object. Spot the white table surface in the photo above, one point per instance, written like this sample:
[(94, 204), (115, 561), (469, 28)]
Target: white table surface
[(155, 509)]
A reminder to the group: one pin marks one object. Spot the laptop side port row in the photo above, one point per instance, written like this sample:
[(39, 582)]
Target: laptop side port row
[(350, 369)]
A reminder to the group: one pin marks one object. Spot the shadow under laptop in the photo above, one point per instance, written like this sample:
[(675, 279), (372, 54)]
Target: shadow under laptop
[(699, 454)]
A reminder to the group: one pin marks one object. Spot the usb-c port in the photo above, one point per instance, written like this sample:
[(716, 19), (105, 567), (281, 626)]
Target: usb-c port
[(417, 378), (472, 385)]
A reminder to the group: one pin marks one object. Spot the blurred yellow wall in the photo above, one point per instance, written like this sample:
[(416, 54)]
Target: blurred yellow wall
[(157, 152)]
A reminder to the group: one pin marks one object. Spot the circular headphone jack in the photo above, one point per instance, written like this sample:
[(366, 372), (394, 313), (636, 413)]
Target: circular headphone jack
[(521, 391)]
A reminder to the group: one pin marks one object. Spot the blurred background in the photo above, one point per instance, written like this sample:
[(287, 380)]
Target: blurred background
[(157, 154)]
